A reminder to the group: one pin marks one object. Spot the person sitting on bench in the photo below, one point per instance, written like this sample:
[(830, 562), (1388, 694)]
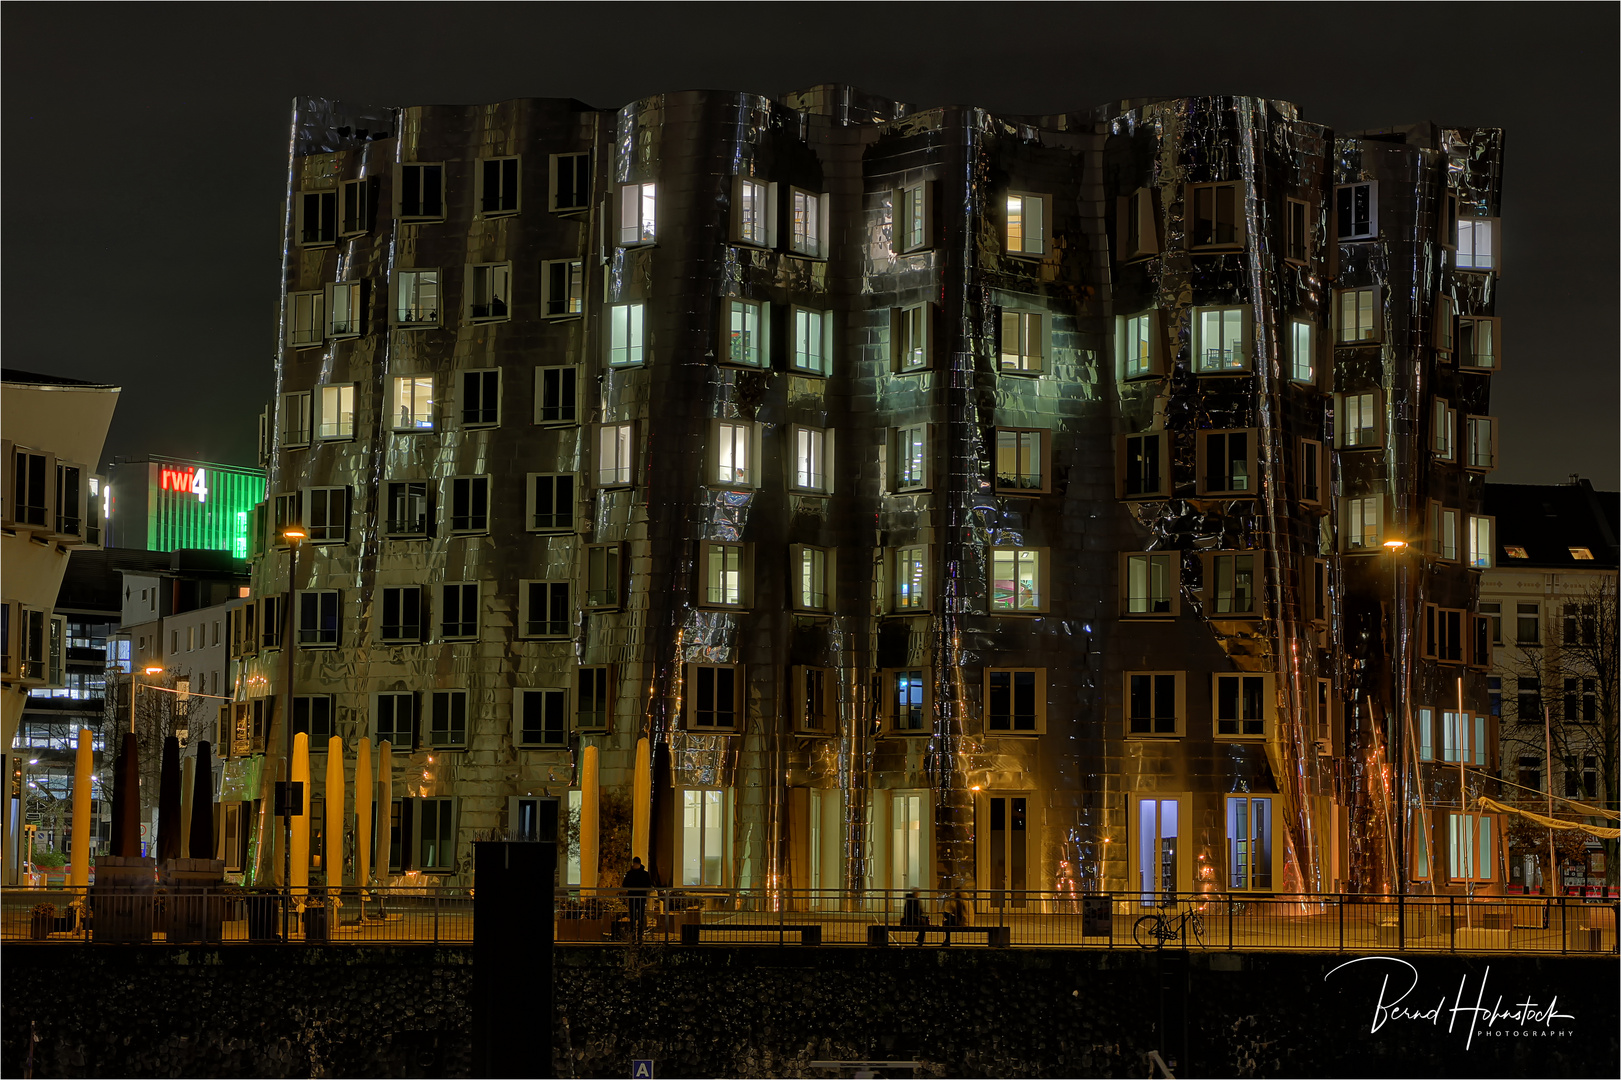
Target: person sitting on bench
[(912, 913), (959, 912)]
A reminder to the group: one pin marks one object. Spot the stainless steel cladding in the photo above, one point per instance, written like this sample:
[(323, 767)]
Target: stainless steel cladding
[(948, 499)]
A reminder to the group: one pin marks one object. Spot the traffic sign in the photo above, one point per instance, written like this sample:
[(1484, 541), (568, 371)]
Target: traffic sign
[(641, 1070)]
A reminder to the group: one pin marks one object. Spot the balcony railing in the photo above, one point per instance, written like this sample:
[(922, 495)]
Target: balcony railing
[(1024, 919)]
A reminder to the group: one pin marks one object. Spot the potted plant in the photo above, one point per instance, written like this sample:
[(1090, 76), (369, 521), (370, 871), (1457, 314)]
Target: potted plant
[(44, 921)]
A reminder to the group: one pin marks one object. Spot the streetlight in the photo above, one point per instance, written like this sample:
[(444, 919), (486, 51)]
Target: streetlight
[(1398, 693), (292, 534), (134, 681)]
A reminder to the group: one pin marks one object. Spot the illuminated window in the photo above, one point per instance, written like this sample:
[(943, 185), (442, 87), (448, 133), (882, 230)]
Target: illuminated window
[(1228, 462), (1152, 583), (714, 696), (544, 610), (748, 322), (326, 514), (812, 462), (416, 298), (498, 186), (1515, 551), (305, 319), (1243, 704), (602, 576), (447, 719), (811, 571), (1356, 211), (704, 862), (1581, 553), (1444, 531), (1444, 430), (615, 454), (551, 502), (1478, 244), (625, 341), (1024, 341), (1138, 337), (1216, 215), (421, 192), (1232, 585), (1479, 347), (317, 218), (911, 565), (295, 420), (592, 687), (408, 510), (1153, 703), (753, 212), (808, 221), (1361, 527), (489, 292), (1249, 844), (1470, 847), (1302, 351), (481, 398), (413, 403), (911, 457), (1356, 314), (1021, 461), (470, 504), (1027, 218), (735, 455), (1016, 701), (907, 701), (1221, 340), (914, 213), (355, 199), (458, 611), (570, 182), (1018, 579), (813, 341), (815, 711), (318, 619), (1141, 465), (344, 310), (1300, 225), (542, 718), (909, 337), (1482, 542), (637, 217), (563, 282), (404, 615), (1480, 445), (555, 389), (1357, 419), (726, 572)]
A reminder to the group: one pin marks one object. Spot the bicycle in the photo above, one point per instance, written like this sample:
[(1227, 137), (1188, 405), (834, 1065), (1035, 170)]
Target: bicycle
[(1153, 930)]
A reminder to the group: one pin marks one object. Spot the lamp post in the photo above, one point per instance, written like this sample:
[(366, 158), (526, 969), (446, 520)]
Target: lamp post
[(293, 534), (1398, 696), (134, 683)]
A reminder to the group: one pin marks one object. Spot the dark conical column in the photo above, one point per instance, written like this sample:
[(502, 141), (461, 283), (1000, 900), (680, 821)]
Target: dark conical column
[(127, 800), (200, 844), (169, 838)]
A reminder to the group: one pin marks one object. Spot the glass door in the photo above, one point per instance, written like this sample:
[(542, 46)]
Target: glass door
[(703, 833), (907, 852), (1008, 852), (1158, 858)]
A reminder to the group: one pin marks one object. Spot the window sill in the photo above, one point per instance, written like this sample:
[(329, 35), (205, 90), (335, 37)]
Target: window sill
[(305, 346), (564, 317), (490, 215), (457, 640), (1217, 373), (420, 220), (1149, 736), (1240, 738), (1021, 492), (413, 430), (1025, 614), (316, 245), (1218, 249), (1030, 373), (692, 729), (485, 320), (1154, 617), (806, 733), (400, 641), (918, 734), (549, 747), (813, 613), (1004, 733), (1225, 495)]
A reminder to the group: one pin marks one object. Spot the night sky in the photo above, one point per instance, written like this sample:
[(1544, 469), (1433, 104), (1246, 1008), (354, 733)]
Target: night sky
[(145, 153)]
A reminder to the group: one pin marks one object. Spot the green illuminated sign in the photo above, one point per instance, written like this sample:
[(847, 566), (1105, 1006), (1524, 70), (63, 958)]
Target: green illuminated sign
[(195, 505)]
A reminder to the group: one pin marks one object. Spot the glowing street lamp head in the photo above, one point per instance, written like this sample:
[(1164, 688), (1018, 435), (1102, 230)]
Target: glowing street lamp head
[(154, 671), (294, 533), (1395, 545)]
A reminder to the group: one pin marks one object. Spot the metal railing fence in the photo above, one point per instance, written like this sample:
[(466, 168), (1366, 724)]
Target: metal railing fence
[(1031, 919)]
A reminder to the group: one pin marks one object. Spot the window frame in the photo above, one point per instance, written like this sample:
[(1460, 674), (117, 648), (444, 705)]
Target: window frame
[(532, 492), (1038, 722), (1353, 511), (1191, 198), (890, 711), (494, 281), (1258, 571), (1179, 704), (801, 601), (1436, 546), (572, 299), (1312, 371), (1346, 229), (901, 479), (354, 292), (1477, 836), (459, 631), (1267, 721), (912, 217), (550, 629), (297, 404), (344, 429), (450, 697), (1299, 240), (634, 351), (329, 532), (553, 186), (567, 379), (474, 523), (550, 697), (1494, 258), (1132, 240), (1041, 602), (1243, 805), (488, 417), (757, 358), (325, 201), (1031, 333), (390, 524), (1312, 473), (823, 337), (355, 214), (397, 309), (307, 703), (613, 560), (911, 338), (400, 183), (726, 551), (1351, 335), (306, 319), (622, 474), (1471, 461), (1252, 476), (395, 697), (725, 438), (816, 247), (1153, 366), (1129, 487), (1043, 242), (1172, 574), (762, 233), (1043, 462), (319, 635), (1246, 340), (897, 558), (596, 674), (823, 704), (509, 189), (1468, 358), (406, 633), (820, 458), (1351, 438), (641, 198), (692, 692), (1443, 430)]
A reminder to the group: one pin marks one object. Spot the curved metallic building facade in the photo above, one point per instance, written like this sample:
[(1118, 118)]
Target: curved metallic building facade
[(949, 499)]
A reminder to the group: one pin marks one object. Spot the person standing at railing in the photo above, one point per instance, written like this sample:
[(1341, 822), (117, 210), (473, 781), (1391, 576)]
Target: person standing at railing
[(636, 883), (912, 913)]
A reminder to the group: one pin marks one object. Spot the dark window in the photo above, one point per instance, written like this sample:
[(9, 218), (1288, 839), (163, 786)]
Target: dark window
[(459, 610), (1528, 700), (313, 716), (602, 575), (320, 217), (715, 697), (1528, 628), (395, 720), (1353, 208), (908, 700), (318, 618), (543, 720), (402, 614), (546, 609), (554, 502), (422, 191), (812, 698), (448, 721), (470, 504), (498, 187), (1151, 705), (1299, 236), (557, 397), (1240, 705), (571, 181), (1013, 705), (407, 508), (592, 699), (1227, 463), (481, 397), (1215, 214), (1143, 465)]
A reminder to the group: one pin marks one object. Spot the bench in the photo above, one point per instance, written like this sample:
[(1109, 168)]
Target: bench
[(694, 933), (995, 936)]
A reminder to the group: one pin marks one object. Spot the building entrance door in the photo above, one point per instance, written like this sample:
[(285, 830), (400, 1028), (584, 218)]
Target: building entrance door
[(1005, 869), (1159, 861)]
